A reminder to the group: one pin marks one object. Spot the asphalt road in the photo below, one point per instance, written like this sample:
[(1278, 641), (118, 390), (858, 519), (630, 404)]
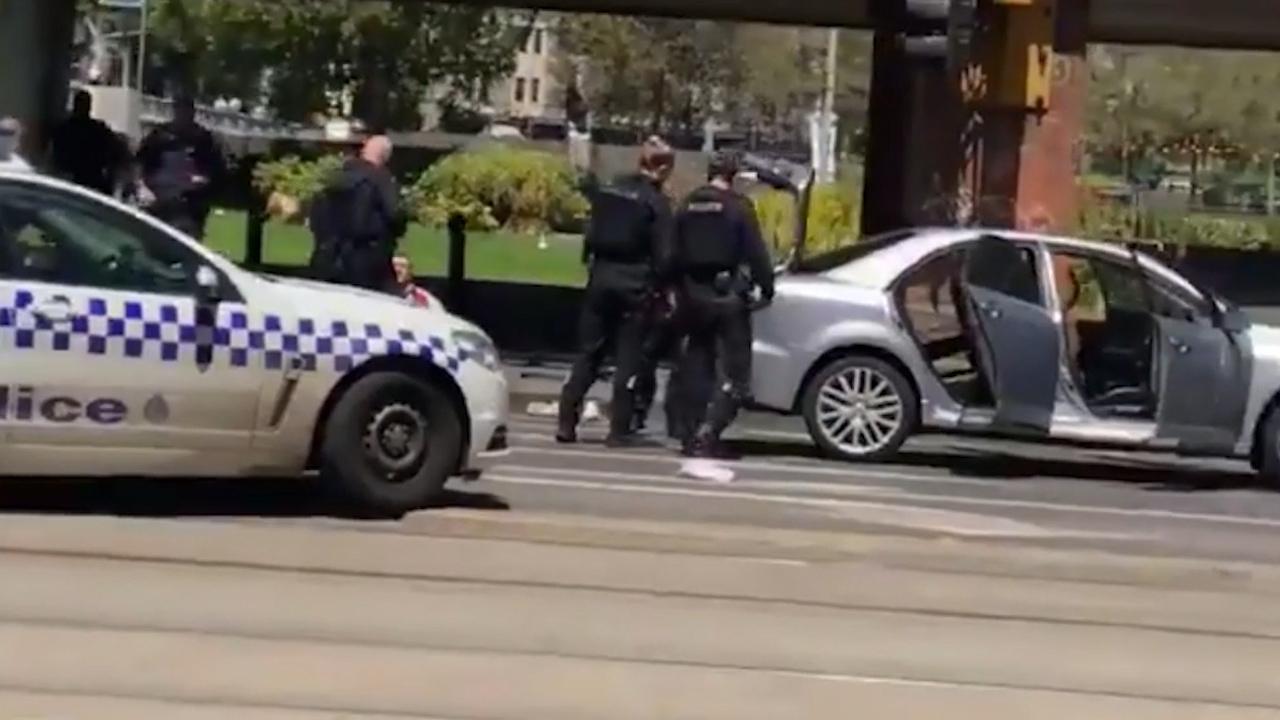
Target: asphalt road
[(1062, 496), (973, 579)]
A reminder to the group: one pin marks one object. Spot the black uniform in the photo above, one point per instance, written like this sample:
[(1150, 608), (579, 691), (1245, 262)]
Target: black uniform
[(356, 222), (183, 168), (628, 245), (88, 153), (688, 389), (717, 237)]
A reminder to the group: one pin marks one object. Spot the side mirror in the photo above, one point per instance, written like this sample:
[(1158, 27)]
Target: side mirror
[(208, 286)]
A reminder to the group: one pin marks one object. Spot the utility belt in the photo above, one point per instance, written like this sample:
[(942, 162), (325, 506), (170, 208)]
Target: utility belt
[(725, 281)]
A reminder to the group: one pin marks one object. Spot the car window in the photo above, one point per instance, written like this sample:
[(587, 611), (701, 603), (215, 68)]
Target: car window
[(1170, 302), (833, 259), (56, 237), (928, 298), (1122, 286), (1003, 267)]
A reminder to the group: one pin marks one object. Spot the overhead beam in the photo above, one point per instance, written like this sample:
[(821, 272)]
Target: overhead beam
[(1227, 24), (1234, 24)]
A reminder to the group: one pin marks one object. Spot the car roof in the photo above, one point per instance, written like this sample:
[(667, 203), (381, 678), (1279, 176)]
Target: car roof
[(881, 268)]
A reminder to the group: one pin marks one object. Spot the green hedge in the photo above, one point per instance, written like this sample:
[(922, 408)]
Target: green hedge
[(1111, 221), (290, 182), (501, 187), (833, 218)]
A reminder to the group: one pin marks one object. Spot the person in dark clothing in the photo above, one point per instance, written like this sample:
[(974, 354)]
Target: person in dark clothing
[(628, 246), (717, 238), (688, 388), (358, 220), (182, 168), (85, 150)]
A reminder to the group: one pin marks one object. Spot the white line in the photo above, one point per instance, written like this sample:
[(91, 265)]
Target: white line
[(873, 490), (851, 471), (934, 519), (974, 502)]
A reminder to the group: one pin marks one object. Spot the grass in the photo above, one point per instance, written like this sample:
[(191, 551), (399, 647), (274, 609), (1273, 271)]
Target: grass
[(499, 256)]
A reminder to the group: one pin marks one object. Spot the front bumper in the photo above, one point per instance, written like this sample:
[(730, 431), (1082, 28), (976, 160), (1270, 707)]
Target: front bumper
[(490, 410)]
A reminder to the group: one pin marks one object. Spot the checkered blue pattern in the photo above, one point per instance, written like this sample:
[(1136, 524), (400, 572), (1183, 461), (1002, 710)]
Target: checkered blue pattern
[(160, 330)]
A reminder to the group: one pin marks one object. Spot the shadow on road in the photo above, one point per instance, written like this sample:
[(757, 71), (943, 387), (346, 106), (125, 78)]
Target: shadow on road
[(168, 498), (1062, 462)]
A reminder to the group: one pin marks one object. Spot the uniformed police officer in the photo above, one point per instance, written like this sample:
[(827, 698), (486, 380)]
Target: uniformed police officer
[(717, 239), (628, 246), (182, 169)]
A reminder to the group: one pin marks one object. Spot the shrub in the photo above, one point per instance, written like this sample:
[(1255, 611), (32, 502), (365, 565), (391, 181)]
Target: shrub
[(290, 182), (833, 218), (497, 186), (1102, 220)]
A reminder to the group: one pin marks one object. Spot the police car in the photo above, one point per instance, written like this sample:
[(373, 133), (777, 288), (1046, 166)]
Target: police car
[(127, 349)]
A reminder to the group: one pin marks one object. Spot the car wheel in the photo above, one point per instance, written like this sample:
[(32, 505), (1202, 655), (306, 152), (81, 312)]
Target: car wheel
[(860, 408), (391, 443), (1268, 459)]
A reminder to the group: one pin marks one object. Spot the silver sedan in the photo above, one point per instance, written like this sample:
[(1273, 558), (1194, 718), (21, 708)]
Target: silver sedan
[(1002, 332)]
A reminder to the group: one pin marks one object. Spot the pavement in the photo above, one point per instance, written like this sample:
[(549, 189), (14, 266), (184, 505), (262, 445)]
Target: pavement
[(972, 579)]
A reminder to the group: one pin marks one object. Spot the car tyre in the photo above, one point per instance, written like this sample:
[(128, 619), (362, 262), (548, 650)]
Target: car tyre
[(880, 409), (1268, 459), (391, 443)]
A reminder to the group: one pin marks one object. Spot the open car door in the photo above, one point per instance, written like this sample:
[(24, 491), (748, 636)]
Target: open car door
[(1016, 340), (1206, 364)]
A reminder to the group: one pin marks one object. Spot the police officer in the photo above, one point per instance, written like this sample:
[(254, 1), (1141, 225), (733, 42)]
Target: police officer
[(358, 220), (717, 239), (182, 168), (628, 246)]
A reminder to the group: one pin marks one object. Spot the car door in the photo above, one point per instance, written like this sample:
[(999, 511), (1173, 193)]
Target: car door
[(1016, 338), (102, 340), (1204, 372)]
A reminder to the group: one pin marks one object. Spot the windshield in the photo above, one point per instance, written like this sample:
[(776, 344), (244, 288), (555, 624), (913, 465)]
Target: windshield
[(833, 259)]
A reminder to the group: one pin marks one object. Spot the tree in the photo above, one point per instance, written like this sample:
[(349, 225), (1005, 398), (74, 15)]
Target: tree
[(657, 72), (311, 56)]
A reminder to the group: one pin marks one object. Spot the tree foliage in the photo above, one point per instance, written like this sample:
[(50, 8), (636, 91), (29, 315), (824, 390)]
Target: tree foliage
[(675, 74), (314, 56)]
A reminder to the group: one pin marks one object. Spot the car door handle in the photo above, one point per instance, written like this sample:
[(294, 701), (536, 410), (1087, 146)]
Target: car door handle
[(1179, 346), (55, 310), (989, 310)]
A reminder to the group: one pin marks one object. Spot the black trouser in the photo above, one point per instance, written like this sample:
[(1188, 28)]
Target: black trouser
[(614, 309), (365, 264), (719, 341), (662, 336), (689, 391)]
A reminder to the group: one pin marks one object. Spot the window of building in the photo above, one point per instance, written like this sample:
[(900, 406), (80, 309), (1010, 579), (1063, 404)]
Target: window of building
[(519, 94), (535, 89), (537, 42)]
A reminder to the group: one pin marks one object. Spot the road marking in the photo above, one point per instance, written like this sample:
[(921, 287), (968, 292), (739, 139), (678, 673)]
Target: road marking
[(850, 471), (843, 489), (945, 521), (906, 495)]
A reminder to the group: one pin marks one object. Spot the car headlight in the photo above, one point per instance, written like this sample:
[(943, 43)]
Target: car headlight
[(478, 347)]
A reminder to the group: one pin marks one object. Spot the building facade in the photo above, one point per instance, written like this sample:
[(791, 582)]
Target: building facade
[(532, 91)]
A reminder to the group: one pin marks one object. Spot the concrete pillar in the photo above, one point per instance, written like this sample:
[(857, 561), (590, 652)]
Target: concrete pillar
[(35, 65), (933, 160), (913, 151), (1023, 171)]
